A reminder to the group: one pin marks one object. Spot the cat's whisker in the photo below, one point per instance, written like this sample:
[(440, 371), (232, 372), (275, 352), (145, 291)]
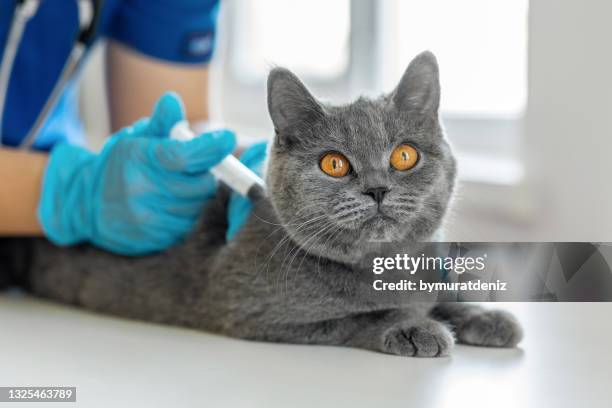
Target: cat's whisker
[(292, 251), (358, 211), (322, 230), (331, 232), (324, 247), (303, 209), (318, 237), (344, 206), (277, 229), (349, 213), (286, 239), (295, 250), (357, 217)]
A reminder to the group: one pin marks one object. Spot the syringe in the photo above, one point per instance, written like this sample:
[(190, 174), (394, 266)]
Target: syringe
[(230, 171)]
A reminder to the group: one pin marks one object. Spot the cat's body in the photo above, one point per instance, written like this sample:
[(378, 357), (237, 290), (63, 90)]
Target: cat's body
[(294, 272)]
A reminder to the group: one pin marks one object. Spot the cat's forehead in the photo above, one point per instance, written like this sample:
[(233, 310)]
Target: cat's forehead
[(366, 125)]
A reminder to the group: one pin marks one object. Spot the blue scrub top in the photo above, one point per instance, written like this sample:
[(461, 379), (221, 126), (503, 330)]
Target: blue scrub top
[(180, 31)]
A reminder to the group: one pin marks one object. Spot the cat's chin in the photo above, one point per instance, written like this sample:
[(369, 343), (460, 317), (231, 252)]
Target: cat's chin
[(379, 228)]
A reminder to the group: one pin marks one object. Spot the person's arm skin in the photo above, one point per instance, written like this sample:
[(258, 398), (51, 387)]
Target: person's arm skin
[(21, 174), (136, 81)]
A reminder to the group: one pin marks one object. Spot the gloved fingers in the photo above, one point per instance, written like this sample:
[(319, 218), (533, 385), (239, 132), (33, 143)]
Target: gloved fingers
[(134, 242), (167, 112), (254, 157), (194, 156), (159, 230), (167, 229), (238, 211), (181, 186), (172, 226), (137, 129), (181, 208), (239, 207)]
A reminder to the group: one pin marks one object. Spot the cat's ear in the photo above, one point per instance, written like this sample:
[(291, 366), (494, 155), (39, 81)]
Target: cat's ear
[(289, 102), (419, 88)]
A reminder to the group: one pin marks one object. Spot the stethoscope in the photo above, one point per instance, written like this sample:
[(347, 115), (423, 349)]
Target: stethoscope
[(89, 15)]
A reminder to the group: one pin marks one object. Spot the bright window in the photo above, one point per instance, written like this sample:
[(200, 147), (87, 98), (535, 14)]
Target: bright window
[(310, 37), (481, 46)]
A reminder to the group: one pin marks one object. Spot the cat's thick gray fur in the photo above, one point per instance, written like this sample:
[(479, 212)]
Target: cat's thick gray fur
[(290, 273)]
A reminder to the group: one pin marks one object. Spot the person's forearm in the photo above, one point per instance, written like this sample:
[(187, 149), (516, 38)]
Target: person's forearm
[(21, 175), (135, 82)]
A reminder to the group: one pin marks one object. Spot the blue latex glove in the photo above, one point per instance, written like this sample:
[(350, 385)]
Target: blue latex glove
[(240, 207), (141, 194)]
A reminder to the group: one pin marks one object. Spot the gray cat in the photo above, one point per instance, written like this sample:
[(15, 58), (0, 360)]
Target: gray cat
[(340, 180)]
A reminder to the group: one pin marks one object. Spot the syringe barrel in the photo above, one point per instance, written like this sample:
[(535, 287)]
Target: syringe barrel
[(230, 170)]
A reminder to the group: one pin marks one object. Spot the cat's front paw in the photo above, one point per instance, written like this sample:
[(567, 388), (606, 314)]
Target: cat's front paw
[(422, 338), (492, 328)]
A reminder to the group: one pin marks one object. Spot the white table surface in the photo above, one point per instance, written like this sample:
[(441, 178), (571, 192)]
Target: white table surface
[(564, 361)]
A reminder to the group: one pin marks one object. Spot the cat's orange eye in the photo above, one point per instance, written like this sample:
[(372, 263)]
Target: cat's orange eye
[(404, 157), (335, 165)]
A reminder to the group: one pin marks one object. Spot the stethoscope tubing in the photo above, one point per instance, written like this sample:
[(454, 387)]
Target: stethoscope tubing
[(89, 12), (70, 67), (23, 12)]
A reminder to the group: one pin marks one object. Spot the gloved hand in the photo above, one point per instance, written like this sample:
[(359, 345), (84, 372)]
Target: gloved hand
[(240, 207), (141, 194)]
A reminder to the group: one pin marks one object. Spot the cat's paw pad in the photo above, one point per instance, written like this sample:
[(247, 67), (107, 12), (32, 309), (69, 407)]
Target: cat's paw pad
[(492, 328), (426, 338)]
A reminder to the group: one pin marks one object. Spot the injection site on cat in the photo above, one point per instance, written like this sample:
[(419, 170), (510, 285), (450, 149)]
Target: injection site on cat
[(230, 170)]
